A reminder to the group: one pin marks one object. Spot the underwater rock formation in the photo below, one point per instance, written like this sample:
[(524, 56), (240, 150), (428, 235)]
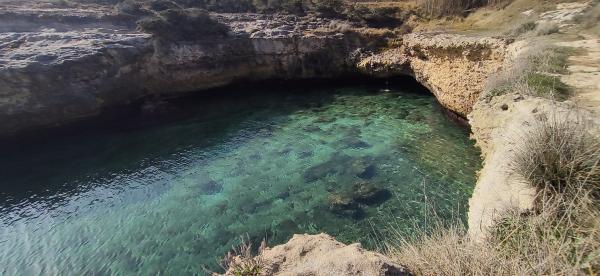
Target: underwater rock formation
[(348, 203)]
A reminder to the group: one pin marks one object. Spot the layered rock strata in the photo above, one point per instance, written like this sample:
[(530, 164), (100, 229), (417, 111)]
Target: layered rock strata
[(51, 76), (59, 65)]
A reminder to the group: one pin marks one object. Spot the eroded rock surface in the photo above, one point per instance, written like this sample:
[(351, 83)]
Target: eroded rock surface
[(323, 255), (58, 65), (454, 67), (61, 64)]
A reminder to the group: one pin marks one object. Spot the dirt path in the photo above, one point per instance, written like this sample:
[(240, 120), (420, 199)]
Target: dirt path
[(584, 72)]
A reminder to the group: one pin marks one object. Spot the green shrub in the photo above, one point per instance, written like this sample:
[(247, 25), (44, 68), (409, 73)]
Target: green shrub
[(553, 60), (132, 8), (161, 5), (376, 17), (182, 24), (522, 28), (533, 73), (546, 86)]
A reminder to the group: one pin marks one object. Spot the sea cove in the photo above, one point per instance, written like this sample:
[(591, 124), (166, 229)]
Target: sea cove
[(171, 193)]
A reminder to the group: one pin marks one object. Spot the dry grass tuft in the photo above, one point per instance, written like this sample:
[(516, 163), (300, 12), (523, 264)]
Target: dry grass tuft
[(560, 237), (590, 18), (556, 154), (183, 24), (546, 28), (521, 29), (437, 8), (240, 261)]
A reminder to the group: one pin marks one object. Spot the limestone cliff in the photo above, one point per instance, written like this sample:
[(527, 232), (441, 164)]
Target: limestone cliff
[(59, 65), (453, 67), (51, 74)]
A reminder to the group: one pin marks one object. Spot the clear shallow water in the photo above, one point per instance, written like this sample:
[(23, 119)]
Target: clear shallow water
[(171, 196)]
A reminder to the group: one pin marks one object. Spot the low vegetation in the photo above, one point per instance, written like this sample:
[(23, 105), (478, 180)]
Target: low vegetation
[(590, 18), (528, 27), (182, 24), (521, 29), (535, 72), (561, 236), (437, 8), (372, 16), (241, 261)]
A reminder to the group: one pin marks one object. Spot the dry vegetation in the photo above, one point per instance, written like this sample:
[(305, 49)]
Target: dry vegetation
[(455, 7), (534, 72), (241, 260), (561, 236), (182, 24)]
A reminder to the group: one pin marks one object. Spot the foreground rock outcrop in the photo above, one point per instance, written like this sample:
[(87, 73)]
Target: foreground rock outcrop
[(323, 255)]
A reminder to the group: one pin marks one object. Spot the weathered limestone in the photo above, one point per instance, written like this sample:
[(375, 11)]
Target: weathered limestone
[(59, 65), (53, 76), (322, 255), (453, 67)]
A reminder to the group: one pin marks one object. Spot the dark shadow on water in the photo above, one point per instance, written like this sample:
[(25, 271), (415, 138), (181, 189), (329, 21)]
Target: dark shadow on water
[(129, 137)]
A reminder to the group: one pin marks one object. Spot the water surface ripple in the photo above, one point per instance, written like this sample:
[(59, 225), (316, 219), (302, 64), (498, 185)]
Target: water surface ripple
[(170, 196)]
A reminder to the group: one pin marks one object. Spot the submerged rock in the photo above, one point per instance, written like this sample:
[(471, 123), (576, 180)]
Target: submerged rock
[(369, 193), (345, 205), (369, 172), (325, 119), (354, 142), (211, 187), (362, 193), (415, 117), (346, 166), (331, 166), (305, 154), (312, 128)]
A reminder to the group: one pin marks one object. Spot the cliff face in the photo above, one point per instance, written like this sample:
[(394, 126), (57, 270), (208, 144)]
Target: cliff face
[(57, 66), (53, 76), (49, 78), (453, 67)]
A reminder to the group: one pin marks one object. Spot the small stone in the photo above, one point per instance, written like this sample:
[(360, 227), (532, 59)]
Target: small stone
[(368, 193), (368, 173), (504, 107), (517, 97)]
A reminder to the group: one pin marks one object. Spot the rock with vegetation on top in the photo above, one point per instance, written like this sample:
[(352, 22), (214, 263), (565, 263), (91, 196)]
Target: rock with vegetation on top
[(322, 255)]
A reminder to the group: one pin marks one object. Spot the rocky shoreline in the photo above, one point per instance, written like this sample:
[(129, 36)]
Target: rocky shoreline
[(61, 65), (52, 76)]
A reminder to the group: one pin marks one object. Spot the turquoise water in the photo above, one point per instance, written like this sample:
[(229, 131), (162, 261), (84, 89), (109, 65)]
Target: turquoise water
[(170, 193)]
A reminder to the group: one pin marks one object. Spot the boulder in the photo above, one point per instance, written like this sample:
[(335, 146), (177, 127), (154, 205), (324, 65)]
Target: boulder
[(322, 255)]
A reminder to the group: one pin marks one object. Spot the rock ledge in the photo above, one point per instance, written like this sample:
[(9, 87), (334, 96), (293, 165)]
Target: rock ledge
[(323, 255)]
